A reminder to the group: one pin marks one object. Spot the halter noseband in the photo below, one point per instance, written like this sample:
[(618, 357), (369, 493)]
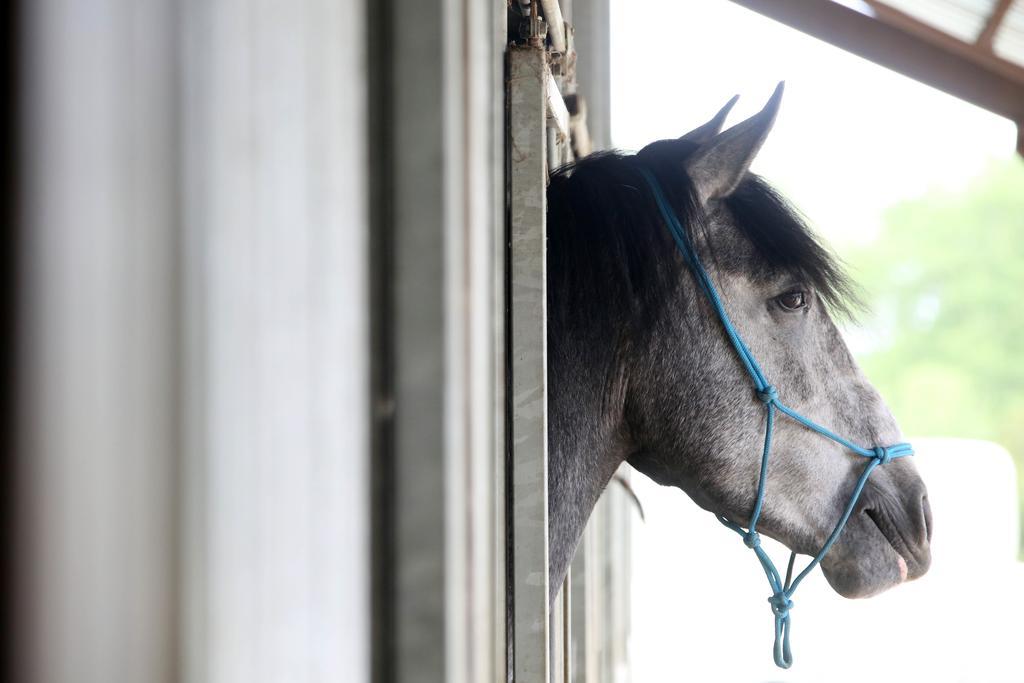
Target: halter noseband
[(782, 591)]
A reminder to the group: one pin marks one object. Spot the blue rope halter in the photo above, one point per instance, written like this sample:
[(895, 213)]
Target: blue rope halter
[(781, 599)]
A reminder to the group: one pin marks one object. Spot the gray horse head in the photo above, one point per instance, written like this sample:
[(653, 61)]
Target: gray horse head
[(641, 369)]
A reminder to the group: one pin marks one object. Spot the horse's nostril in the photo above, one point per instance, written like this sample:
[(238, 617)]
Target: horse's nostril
[(926, 515)]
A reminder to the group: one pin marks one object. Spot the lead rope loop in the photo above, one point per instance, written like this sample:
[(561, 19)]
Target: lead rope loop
[(781, 600)]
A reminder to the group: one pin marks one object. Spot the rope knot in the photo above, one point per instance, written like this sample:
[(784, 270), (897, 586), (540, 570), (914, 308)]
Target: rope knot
[(752, 540), (781, 604), (883, 455), (769, 394)]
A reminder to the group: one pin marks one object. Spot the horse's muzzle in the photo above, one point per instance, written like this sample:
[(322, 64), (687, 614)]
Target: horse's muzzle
[(906, 523)]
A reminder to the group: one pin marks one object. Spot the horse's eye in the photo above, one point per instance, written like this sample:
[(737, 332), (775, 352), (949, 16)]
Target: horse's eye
[(792, 301)]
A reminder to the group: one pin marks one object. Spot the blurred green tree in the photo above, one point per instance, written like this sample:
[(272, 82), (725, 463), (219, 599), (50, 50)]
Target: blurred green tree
[(945, 284)]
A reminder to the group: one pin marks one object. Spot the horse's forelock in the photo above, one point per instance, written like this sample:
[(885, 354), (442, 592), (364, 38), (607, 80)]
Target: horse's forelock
[(608, 235)]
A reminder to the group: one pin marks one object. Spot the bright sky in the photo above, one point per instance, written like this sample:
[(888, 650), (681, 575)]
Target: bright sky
[(852, 137)]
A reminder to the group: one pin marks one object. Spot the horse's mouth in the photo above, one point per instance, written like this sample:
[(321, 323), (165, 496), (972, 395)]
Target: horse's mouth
[(911, 566)]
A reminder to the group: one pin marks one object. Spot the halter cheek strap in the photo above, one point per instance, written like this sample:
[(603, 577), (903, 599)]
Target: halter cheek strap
[(781, 600)]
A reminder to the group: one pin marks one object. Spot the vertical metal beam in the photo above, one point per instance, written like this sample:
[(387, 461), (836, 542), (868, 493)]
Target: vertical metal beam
[(419, 87), (566, 609), (437, 149), (596, 551), (527, 97), (194, 391), (560, 634), (498, 606), (556, 642), (99, 343), (276, 313), (10, 484), (621, 513), (485, 236), (556, 25), (592, 24), (578, 612)]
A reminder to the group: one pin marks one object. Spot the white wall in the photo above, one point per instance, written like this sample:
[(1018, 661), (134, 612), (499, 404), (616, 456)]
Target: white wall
[(194, 428)]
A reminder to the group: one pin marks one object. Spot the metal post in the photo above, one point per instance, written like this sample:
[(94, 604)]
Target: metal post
[(578, 613), (275, 515), (528, 342), (437, 98), (98, 343), (592, 24)]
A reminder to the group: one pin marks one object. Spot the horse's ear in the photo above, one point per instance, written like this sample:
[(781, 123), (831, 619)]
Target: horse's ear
[(717, 167), (703, 134)]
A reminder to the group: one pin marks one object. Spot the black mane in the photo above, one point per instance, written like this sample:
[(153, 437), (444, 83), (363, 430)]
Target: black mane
[(611, 260)]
